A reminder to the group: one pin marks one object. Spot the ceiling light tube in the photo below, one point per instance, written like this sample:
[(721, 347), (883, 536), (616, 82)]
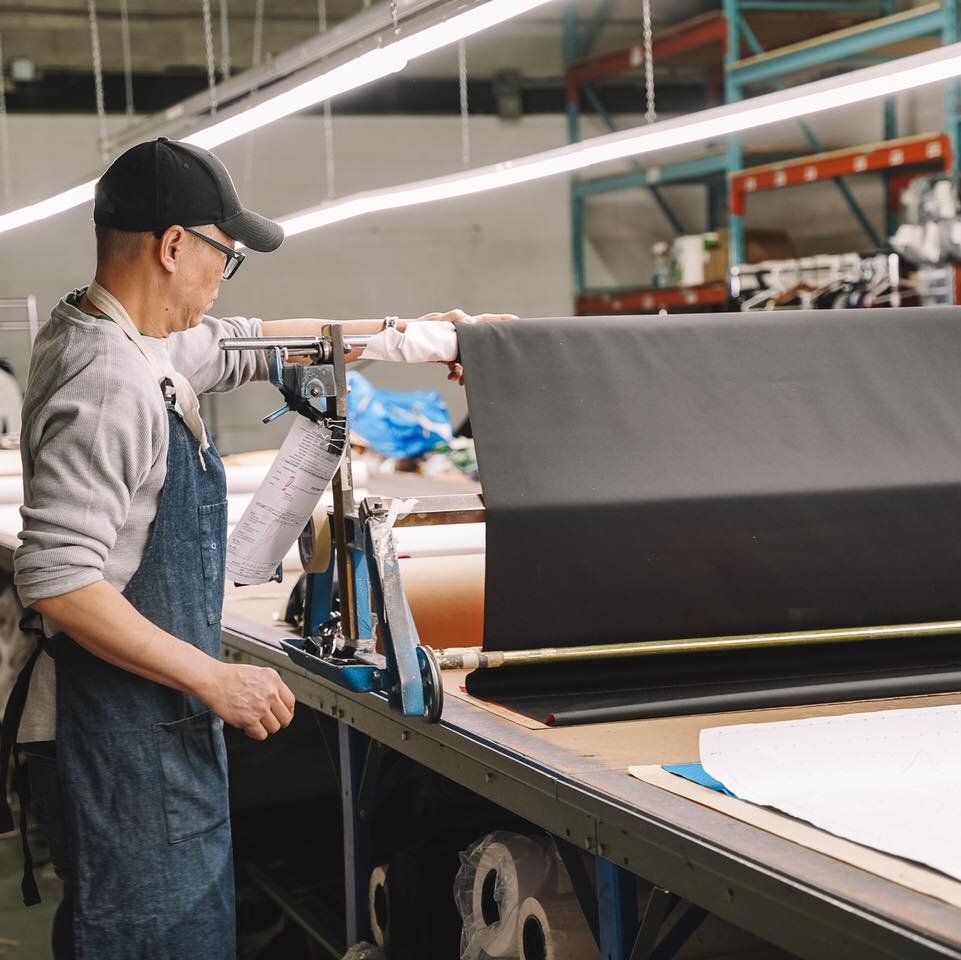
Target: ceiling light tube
[(366, 68), (793, 103), (58, 203), (841, 91)]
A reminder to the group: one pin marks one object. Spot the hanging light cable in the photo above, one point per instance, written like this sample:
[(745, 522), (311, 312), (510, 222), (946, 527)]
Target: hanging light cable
[(329, 168), (127, 64), (97, 72), (464, 111), (5, 176), (651, 115), (211, 63), (224, 41), (255, 56)]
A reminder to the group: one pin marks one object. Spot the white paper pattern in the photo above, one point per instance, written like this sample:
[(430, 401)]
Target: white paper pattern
[(279, 510), (889, 780)]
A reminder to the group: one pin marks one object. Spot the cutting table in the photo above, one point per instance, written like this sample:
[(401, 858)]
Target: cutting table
[(797, 887), (810, 893)]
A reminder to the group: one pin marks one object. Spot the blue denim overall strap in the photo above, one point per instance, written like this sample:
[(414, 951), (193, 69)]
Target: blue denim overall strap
[(143, 767)]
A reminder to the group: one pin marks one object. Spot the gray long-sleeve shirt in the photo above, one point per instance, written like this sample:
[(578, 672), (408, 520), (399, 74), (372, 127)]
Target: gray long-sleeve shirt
[(94, 450)]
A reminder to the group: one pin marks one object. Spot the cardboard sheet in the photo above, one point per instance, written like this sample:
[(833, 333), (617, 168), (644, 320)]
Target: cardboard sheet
[(890, 780), (890, 868)]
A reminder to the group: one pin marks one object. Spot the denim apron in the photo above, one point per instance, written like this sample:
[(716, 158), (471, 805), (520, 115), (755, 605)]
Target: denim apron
[(143, 767)]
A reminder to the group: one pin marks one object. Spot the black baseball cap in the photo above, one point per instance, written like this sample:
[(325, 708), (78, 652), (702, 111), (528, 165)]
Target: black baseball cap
[(161, 182)]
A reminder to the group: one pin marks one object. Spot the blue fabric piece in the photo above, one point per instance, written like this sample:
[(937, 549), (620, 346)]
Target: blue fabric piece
[(143, 766), (398, 425), (697, 774)]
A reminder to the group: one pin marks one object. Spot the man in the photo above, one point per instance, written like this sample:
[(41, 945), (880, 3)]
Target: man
[(123, 556)]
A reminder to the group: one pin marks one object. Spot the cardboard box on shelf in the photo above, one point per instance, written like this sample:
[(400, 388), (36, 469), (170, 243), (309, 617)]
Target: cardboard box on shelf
[(703, 257), (759, 245)]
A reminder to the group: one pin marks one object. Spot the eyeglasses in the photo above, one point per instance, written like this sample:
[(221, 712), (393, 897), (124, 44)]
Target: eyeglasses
[(234, 259)]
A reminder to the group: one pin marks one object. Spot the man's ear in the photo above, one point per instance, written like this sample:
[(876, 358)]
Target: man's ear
[(172, 246)]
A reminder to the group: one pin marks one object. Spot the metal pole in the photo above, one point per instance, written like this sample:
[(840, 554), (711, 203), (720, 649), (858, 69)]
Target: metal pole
[(6, 191), (224, 41), (209, 44), (295, 346), (473, 658), (97, 75), (735, 150), (353, 751), (127, 62), (951, 33), (571, 49), (616, 909)]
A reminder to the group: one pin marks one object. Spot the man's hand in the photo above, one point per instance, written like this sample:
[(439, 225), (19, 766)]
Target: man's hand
[(456, 370), (254, 699), (458, 316), (103, 621)]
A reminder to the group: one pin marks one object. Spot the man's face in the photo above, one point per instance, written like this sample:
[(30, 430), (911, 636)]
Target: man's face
[(199, 275)]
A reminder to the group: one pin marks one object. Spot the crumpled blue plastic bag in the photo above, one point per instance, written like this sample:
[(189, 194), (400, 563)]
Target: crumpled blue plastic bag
[(397, 425)]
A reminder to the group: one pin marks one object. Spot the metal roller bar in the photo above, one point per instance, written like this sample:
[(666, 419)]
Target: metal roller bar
[(432, 511), (294, 346), (471, 658)]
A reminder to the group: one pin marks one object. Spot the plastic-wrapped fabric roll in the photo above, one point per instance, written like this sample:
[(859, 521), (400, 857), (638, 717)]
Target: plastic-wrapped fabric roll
[(508, 868), (379, 905), (554, 928)]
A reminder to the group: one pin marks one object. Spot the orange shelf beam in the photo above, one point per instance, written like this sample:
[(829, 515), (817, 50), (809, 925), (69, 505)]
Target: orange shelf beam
[(695, 34), (930, 149), (653, 299)]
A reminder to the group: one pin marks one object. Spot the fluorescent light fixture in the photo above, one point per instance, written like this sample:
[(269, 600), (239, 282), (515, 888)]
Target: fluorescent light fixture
[(847, 89), (735, 118), (364, 69), (42, 209)]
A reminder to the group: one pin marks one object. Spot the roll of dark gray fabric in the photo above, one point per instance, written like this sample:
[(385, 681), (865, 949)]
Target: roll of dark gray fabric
[(663, 477)]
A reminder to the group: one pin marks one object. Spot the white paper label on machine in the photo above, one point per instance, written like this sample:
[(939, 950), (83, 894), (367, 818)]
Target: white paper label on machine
[(279, 510)]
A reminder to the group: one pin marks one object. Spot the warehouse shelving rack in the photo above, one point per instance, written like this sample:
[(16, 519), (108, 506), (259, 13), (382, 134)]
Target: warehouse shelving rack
[(705, 36), (729, 34), (770, 67)]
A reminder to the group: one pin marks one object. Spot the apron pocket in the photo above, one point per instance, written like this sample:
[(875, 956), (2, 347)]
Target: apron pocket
[(213, 551), (193, 773)]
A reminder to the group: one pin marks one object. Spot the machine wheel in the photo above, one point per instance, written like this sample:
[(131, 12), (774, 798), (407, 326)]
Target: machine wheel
[(433, 684)]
